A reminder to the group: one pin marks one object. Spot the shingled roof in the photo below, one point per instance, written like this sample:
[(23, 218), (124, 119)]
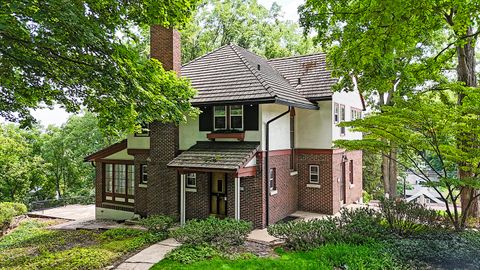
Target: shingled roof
[(228, 156), (232, 74), (315, 80)]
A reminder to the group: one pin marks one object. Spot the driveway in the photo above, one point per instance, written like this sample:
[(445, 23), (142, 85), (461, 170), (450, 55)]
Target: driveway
[(69, 212)]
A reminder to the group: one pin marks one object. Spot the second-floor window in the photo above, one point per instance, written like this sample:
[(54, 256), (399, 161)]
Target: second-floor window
[(228, 117), (356, 114), (342, 119)]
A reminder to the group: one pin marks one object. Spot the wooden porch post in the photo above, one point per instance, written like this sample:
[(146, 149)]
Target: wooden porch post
[(183, 180), (237, 198)]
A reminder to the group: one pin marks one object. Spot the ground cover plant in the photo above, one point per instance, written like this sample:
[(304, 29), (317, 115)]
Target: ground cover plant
[(32, 246), (8, 211)]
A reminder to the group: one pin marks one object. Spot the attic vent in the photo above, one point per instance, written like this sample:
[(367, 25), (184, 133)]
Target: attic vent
[(258, 67), (299, 81)]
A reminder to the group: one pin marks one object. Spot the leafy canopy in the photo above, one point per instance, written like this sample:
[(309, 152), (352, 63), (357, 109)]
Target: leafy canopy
[(86, 54)]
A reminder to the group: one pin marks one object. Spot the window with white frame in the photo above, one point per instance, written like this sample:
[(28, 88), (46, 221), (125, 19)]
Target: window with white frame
[(314, 174), (108, 178), (236, 117), (220, 117), (272, 179), (356, 114), (336, 112), (144, 174), (342, 119), (191, 180)]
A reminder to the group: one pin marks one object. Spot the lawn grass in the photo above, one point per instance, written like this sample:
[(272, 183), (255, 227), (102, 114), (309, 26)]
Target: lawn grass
[(331, 256), (32, 246)]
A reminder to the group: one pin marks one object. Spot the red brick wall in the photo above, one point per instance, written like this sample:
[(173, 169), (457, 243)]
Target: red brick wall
[(197, 204), (141, 204), (317, 200), (98, 184), (352, 193), (165, 46)]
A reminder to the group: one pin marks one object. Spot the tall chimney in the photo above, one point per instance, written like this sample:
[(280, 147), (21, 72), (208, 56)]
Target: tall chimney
[(165, 47), (163, 183)]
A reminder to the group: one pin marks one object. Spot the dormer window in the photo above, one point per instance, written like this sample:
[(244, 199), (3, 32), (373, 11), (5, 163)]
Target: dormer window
[(220, 117), (228, 117)]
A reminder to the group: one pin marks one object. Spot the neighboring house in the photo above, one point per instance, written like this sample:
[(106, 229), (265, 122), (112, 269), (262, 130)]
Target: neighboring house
[(424, 195), (278, 116)]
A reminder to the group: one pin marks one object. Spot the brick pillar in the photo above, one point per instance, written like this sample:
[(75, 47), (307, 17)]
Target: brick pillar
[(163, 184)]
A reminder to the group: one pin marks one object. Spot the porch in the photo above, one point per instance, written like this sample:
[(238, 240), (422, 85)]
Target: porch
[(219, 179)]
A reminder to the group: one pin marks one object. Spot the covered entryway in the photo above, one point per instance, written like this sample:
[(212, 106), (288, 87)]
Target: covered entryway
[(225, 162)]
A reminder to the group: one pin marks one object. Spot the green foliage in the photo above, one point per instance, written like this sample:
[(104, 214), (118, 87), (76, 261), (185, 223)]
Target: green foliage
[(220, 233), (246, 23), (338, 256), (360, 225), (8, 211), (157, 224), (32, 246), (305, 235), (408, 218), (187, 254), (84, 54)]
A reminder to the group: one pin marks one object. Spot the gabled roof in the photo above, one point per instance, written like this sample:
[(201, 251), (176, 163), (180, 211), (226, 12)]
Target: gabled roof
[(229, 156), (107, 151), (232, 74), (315, 79)]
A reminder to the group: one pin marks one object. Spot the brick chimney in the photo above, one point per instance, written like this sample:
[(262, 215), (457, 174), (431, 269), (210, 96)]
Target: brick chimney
[(163, 182), (165, 47)]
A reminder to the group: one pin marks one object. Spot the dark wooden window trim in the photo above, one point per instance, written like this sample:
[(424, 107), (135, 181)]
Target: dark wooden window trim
[(228, 120), (125, 196)]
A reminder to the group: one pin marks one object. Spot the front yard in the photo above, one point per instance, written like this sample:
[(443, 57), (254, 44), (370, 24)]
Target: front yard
[(32, 246)]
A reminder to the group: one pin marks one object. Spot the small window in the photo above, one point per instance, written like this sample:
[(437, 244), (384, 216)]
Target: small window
[(236, 117), (356, 114), (144, 174), (191, 180), (145, 132), (351, 172), (342, 119), (120, 178), (314, 174), (220, 117), (272, 179), (336, 112)]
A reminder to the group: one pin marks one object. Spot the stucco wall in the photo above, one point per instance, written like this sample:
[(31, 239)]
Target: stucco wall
[(122, 155), (138, 142), (279, 129), (313, 128)]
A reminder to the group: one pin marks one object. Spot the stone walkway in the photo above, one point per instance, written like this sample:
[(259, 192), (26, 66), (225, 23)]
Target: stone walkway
[(149, 256)]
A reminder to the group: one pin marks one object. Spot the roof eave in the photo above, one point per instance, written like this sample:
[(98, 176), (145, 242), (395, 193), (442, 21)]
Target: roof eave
[(297, 104), (233, 102)]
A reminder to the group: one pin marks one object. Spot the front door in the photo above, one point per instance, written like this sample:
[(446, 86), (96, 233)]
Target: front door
[(218, 195)]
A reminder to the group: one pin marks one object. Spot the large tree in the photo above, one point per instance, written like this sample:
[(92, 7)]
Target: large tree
[(246, 23), (84, 54), (388, 48)]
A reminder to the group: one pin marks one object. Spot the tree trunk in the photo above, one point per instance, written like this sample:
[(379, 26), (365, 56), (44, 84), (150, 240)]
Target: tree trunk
[(386, 175), (466, 74), (393, 173)]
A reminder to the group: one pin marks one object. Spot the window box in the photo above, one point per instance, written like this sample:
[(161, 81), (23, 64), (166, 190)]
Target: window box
[(239, 135)]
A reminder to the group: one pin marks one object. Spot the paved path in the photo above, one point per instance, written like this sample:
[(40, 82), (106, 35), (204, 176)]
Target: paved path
[(149, 256)]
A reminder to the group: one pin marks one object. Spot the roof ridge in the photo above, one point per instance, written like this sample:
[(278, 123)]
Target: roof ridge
[(255, 73), (205, 55), (297, 56)]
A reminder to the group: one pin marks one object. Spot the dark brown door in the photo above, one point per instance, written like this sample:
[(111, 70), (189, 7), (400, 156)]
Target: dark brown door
[(218, 195), (342, 183)]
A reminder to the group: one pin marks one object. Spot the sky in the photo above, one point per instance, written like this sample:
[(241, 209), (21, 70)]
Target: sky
[(58, 116)]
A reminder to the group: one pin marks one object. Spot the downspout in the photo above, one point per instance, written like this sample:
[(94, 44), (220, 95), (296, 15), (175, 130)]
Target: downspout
[(267, 167)]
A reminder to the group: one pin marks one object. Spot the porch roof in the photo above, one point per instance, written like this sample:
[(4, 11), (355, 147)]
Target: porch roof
[(229, 156)]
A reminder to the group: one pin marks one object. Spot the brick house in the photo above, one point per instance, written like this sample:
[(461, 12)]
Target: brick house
[(278, 116)]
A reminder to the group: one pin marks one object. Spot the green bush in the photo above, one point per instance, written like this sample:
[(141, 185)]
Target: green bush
[(408, 218), (8, 211), (359, 226), (305, 234), (187, 254), (157, 224), (220, 233)]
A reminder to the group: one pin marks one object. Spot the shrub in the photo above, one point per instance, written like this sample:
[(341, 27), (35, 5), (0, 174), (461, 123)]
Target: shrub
[(305, 234), (408, 218), (361, 225), (220, 233), (157, 224), (192, 253), (8, 211)]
